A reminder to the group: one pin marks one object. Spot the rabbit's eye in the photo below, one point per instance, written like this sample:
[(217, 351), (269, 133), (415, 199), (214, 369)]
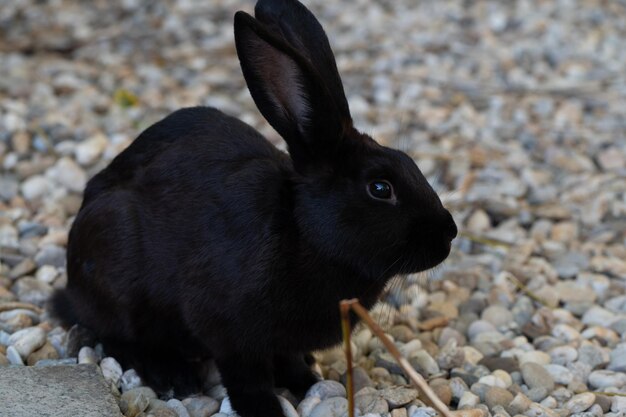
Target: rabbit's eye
[(380, 190)]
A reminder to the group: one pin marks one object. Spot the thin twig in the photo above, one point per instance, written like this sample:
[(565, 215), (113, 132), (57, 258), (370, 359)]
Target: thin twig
[(426, 393), (485, 240), (15, 305), (345, 329), (526, 291), (609, 394)]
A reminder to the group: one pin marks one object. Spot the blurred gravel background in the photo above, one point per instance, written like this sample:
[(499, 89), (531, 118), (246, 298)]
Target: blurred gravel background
[(515, 110)]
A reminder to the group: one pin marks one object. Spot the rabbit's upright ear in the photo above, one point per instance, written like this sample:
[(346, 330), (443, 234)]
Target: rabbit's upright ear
[(291, 92), (297, 25)]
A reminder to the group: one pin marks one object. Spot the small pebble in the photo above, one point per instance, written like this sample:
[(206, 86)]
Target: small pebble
[(111, 370), (201, 406), (581, 402), (326, 389)]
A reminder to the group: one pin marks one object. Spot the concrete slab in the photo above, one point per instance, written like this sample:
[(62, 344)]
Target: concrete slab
[(55, 391)]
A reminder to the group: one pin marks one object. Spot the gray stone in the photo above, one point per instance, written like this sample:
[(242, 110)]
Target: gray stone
[(28, 340), (570, 263), (287, 407), (562, 355), (306, 406), (88, 355), (478, 327), (480, 389), (560, 374), (536, 410), (519, 404), (535, 376), (130, 379), (458, 388), (581, 402), (111, 370), (497, 315), (537, 394), (360, 378), (56, 362), (30, 290), (604, 402), (450, 356), (201, 406), (619, 326), (14, 356), (598, 316), (449, 333), (135, 401), (618, 405), (331, 407), (178, 407), (4, 336), (468, 399), (51, 255), (58, 391), (592, 355), (399, 396), (618, 359), (499, 411), (385, 360), (35, 187), (424, 363), (423, 412), (8, 188), (69, 174), (370, 402), (23, 268), (509, 365), (326, 389), (604, 379), (497, 396)]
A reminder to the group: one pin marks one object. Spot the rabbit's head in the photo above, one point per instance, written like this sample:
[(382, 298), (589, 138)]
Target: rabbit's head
[(355, 201)]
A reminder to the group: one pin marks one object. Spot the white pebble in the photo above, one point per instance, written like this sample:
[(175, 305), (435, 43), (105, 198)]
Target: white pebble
[(111, 370), (468, 399), (492, 381), (226, 407), (307, 405), (13, 356), (28, 340), (47, 274), (130, 379), (35, 187), (178, 407), (69, 174), (288, 409), (87, 355), (88, 151)]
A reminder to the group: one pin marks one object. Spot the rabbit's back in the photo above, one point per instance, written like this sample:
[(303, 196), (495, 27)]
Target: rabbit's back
[(192, 138), (168, 225)]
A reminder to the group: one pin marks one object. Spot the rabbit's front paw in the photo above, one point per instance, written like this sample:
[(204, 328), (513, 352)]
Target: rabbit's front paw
[(293, 371), (250, 386)]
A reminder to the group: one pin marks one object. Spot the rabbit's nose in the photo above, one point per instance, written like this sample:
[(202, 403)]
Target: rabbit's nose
[(450, 227)]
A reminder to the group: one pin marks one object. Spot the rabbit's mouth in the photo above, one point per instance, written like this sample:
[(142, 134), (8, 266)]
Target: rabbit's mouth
[(428, 254)]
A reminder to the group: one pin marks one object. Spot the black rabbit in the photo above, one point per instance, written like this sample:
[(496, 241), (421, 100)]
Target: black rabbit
[(202, 240)]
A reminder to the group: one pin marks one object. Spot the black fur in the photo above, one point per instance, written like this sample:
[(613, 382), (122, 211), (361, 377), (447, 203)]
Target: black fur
[(203, 240)]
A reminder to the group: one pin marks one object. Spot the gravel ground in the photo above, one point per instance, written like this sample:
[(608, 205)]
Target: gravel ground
[(514, 110)]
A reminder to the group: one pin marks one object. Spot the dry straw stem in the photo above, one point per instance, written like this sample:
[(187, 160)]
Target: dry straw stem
[(426, 394), (608, 394), (15, 305), (487, 241), (526, 291)]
